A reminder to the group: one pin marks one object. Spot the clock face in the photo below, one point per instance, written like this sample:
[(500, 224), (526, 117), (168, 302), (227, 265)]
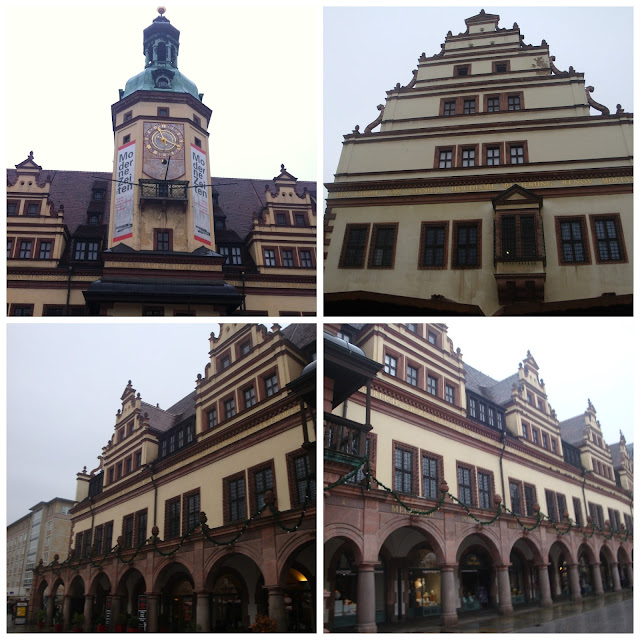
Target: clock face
[(163, 140)]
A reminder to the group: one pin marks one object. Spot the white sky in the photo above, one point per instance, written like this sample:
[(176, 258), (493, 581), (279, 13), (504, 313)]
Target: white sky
[(256, 67), (367, 50), (64, 383)]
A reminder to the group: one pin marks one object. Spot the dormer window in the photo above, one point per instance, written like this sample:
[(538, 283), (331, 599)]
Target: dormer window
[(93, 218), (98, 195), (162, 83)]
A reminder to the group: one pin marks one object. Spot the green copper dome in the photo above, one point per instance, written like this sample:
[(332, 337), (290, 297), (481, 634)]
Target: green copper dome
[(161, 42)]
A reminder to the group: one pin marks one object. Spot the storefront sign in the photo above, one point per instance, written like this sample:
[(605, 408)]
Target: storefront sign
[(123, 206), (21, 612), (201, 221)]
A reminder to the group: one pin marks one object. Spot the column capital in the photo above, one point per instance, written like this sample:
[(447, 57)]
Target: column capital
[(153, 594), (366, 566), (448, 567), (273, 588)]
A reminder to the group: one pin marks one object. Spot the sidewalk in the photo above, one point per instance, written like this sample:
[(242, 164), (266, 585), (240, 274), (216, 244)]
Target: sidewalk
[(532, 619)]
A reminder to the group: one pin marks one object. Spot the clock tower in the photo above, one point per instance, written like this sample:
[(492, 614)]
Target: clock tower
[(161, 233)]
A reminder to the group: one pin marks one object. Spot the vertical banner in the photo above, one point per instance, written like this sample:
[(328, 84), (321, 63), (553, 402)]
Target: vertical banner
[(201, 221), (107, 612), (123, 206), (142, 612)]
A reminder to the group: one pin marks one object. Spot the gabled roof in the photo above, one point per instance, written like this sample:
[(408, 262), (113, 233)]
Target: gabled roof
[(572, 430), (302, 335), (484, 385)]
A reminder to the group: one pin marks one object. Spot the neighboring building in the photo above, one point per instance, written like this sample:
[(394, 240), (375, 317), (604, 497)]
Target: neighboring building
[(489, 189), (203, 514), (420, 534), (159, 236), (43, 533)]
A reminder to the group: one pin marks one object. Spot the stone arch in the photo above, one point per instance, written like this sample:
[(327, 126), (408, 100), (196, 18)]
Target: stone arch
[(559, 557), (130, 586), (423, 526), (524, 559), (236, 583), (175, 583), (346, 532), (42, 591), (165, 568), (297, 577)]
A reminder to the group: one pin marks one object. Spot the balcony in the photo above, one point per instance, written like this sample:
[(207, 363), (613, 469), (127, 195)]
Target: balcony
[(344, 439), (163, 191)]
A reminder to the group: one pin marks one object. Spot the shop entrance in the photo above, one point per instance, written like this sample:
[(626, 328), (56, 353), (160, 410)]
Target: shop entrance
[(424, 583), (475, 581), (227, 604), (181, 607)]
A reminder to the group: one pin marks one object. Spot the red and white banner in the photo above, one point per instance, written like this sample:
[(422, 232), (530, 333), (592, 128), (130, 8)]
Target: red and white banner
[(201, 220), (123, 206)]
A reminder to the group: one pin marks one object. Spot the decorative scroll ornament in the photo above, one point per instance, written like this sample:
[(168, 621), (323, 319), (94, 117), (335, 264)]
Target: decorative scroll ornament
[(594, 104), (411, 83), (377, 121)]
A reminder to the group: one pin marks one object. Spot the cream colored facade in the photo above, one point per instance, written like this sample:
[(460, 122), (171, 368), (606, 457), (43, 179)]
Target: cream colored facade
[(489, 136), (243, 434), (432, 421)]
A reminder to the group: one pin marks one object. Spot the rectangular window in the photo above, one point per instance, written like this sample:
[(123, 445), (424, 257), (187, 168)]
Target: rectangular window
[(237, 503), (270, 257), (141, 528), (572, 241), (354, 246), (245, 347), (500, 67), (433, 252), (462, 70), (468, 157), (390, 365), (138, 459), (525, 430), (466, 243), (600, 516), (229, 408), (412, 375), (469, 106), (305, 484), (249, 397), (432, 385), (300, 220), (554, 447), (25, 249), (45, 251), (97, 547), (562, 505), (430, 478), (534, 433), (449, 393), (33, 209), (450, 108), (473, 407), (464, 486), (9, 247), (483, 412), (263, 481), (192, 508), (305, 259), (162, 240), (403, 476), (444, 159), (516, 154), (513, 103), (607, 239), (163, 112), (271, 385), (127, 532), (287, 258), (281, 219), (432, 338), (516, 502), (382, 246), (108, 537), (493, 104), (172, 528), (493, 156), (545, 440), (529, 498), (491, 415), (127, 465), (551, 505), (484, 490), (13, 208)]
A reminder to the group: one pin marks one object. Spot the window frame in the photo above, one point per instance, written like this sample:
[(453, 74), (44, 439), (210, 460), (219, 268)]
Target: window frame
[(486, 147), (39, 249), (295, 479), (439, 467), (466, 224), (347, 248), (489, 492), (615, 217), (169, 239), (413, 471), (582, 221), (257, 496), (373, 248), (172, 520), (237, 480), (470, 469), (425, 227)]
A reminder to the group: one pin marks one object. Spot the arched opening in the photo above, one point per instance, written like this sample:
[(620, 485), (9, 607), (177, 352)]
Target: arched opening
[(236, 585), (623, 561), (161, 52), (606, 570), (177, 606), (298, 578), (558, 572), (101, 589), (341, 581), (41, 600), (523, 575), (131, 589), (76, 593), (425, 594), (477, 586)]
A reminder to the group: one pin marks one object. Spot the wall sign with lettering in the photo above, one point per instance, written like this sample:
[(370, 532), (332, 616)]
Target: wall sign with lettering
[(123, 206)]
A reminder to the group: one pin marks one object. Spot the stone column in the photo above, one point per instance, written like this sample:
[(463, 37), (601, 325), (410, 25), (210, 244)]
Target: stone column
[(88, 612), (545, 587), (366, 612), (51, 605), (276, 607), (629, 569), (115, 611), (153, 610), (202, 611), (615, 574), (574, 583), (597, 579), (448, 593), (327, 603), (505, 607), (66, 613)]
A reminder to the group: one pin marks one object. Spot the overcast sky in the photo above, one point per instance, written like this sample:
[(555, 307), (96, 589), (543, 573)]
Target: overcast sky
[(367, 50), (64, 383), (256, 68)]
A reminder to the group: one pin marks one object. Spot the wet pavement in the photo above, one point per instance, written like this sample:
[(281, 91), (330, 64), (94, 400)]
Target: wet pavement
[(612, 613)]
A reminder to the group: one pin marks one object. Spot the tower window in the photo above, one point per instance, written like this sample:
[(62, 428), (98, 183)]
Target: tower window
[(126, 139), (161, 52), (198, 142), (196, 119), (162, 239), (163, 112), (128, 116)]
